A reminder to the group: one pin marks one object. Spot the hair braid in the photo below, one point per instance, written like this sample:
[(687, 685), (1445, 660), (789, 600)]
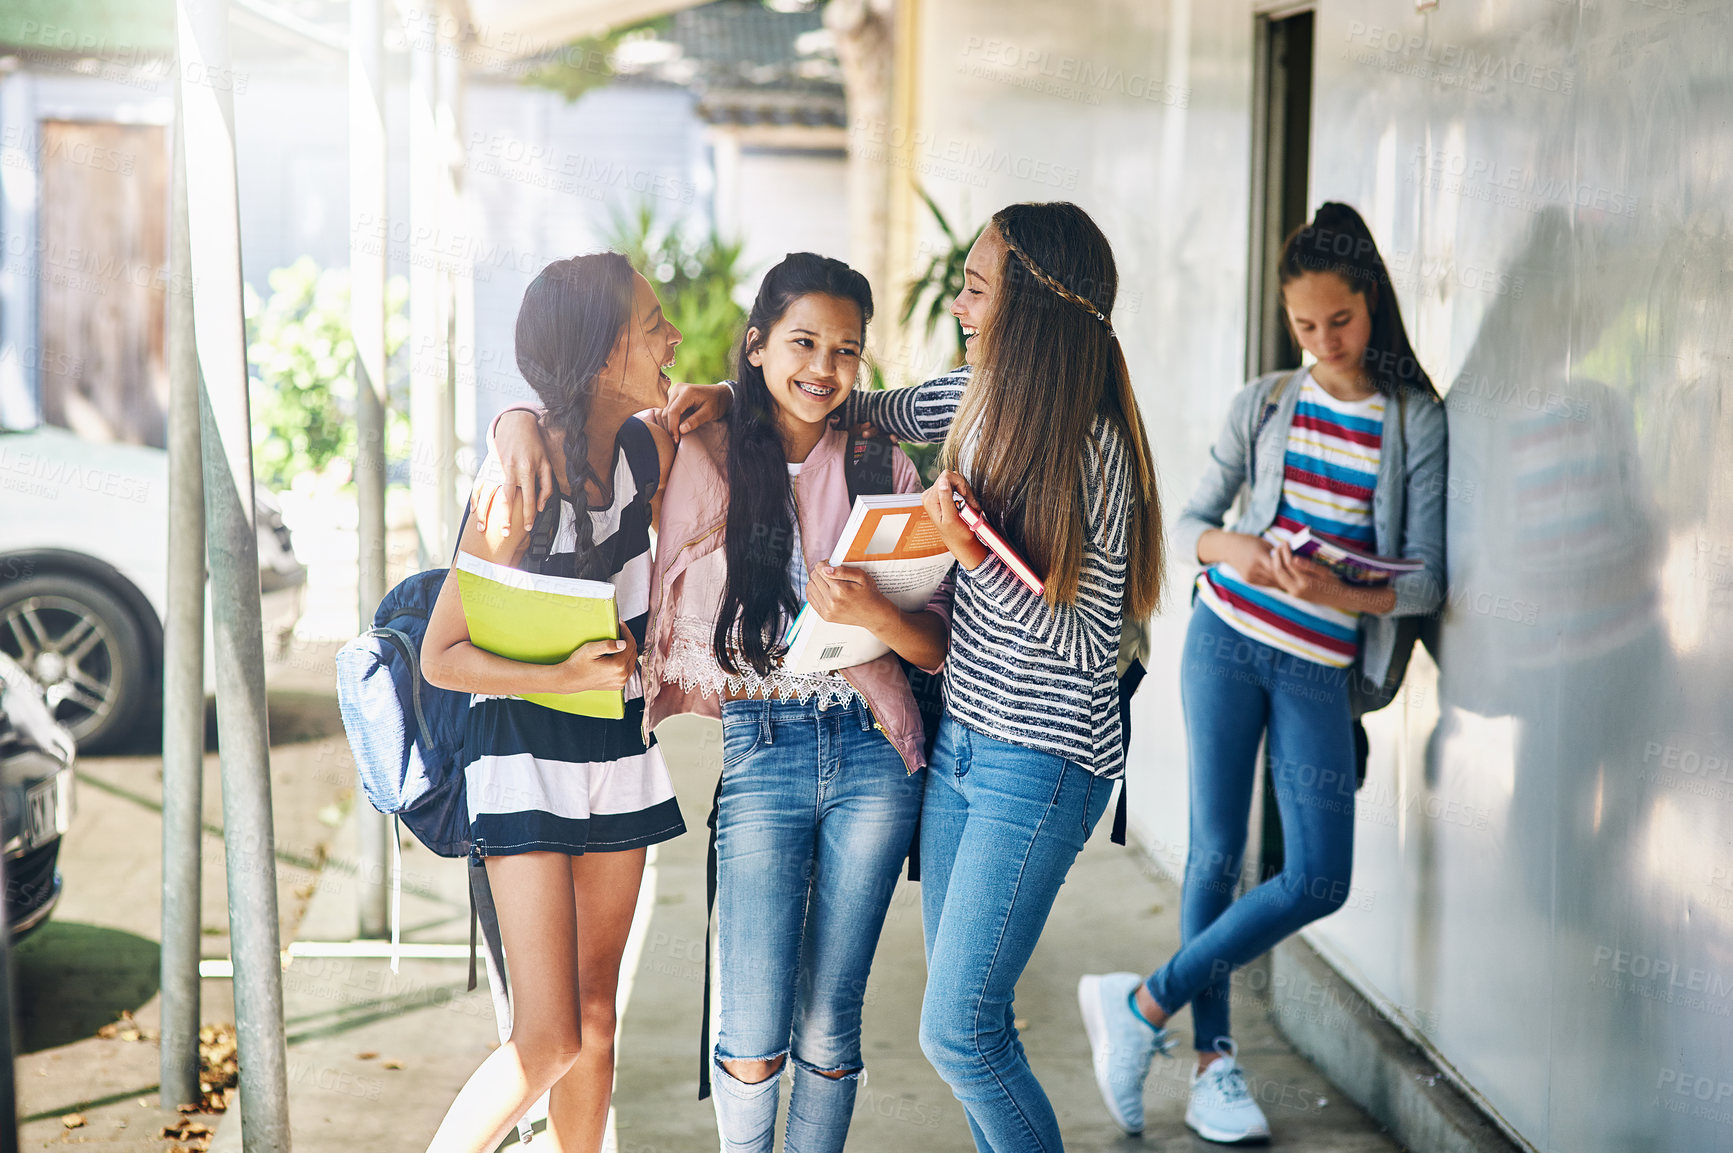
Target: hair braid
[(1052, 282)]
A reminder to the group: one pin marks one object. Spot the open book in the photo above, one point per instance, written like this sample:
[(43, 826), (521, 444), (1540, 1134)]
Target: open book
[(541, 620), (889, 538), (1349, 563)]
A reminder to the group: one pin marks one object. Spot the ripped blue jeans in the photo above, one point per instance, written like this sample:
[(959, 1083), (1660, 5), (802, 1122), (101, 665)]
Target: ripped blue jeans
[(815, 817)]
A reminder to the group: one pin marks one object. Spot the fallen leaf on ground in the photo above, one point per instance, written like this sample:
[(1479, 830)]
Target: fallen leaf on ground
[(73, 1120), (186, 1129), (391, 1063), (219, 1067)]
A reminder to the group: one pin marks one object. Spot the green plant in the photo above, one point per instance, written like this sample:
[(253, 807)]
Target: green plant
[(695, 278), (588, 62), (942, 279), (303, 368)]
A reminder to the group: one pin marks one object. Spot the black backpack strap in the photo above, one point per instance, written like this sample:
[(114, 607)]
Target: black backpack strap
[(542, 533), (639, 445), (915, 851), (709, 932), (1128, 682), (483, 912), (867, 465)]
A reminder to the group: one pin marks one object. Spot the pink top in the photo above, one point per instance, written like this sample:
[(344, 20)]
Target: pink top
[(689, 576)]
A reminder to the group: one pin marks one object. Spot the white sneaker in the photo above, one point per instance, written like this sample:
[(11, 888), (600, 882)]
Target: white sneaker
[(1222, 1108), (1121, 1044)]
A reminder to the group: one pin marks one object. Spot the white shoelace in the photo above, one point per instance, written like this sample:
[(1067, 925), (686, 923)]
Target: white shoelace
[(1231, 1083)]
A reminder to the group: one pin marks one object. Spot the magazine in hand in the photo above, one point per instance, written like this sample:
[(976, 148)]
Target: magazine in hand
[(987, 535), (1351, 564), (891, 539), (542, 620)]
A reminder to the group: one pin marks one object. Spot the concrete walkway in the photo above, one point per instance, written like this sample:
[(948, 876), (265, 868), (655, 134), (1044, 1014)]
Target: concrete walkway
[(376, 1058)]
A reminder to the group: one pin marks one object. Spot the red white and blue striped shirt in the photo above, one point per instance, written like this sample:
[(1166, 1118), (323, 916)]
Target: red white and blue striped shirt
[(1329, 474)]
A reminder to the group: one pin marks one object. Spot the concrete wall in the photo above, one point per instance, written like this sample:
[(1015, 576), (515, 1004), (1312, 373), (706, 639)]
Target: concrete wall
[(1542, 894)]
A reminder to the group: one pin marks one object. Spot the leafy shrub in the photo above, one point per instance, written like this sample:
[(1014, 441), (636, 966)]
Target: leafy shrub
[(302, 357), (695, 278)]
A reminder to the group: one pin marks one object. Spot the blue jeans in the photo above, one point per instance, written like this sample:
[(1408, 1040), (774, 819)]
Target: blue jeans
[(1000, 827), (1233, 689), (815, 817)]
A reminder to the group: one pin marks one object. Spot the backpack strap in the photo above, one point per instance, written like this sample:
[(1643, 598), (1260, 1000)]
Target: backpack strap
[(482, 912), (638, 444), (709, 940), (1128, 682), (868, 465)]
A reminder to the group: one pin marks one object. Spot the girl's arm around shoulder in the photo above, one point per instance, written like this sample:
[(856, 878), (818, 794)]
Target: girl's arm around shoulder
[(921, 414)]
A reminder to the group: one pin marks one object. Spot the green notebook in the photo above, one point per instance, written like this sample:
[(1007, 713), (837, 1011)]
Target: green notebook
[(542, 620)]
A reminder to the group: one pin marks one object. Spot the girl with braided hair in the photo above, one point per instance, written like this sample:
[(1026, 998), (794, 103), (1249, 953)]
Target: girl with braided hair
[(562, 807), (1279, 648), (1042, 434), (820, 788)]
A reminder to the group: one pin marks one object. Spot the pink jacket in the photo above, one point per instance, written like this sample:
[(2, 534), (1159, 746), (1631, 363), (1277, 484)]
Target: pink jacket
[(688, 578)]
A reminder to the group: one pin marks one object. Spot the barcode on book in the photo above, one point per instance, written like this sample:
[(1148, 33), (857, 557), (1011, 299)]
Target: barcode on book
[(831, 652)]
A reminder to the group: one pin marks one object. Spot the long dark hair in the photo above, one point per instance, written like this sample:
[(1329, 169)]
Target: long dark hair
[(759, 539), (1047, 364), (572, 316), (1337, 240)]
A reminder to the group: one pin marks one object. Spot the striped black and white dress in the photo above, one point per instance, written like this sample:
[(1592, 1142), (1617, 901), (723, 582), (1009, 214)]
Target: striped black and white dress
[(543, 780)]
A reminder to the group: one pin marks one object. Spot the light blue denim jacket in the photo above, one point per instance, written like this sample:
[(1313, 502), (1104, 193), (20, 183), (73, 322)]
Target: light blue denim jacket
[(1407, 505)]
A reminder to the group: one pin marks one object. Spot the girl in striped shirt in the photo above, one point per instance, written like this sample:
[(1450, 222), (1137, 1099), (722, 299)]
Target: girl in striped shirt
[(1042, 433), (1351, 447)]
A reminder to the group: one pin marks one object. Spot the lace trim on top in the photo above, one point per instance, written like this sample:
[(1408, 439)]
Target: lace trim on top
[(692, 665)]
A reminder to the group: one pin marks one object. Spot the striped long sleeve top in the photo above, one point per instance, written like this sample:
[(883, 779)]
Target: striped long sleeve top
[(1021, 670)]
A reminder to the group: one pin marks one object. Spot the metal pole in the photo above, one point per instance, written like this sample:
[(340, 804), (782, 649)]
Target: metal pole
[(367, 282), (183, 697), (432, 434), (460, 294), (9, 1037), (207, 111)]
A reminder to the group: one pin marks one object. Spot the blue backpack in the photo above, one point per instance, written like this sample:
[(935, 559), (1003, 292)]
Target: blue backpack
[(407, 735)]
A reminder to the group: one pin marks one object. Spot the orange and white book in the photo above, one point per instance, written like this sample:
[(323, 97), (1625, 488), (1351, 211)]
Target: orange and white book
[(890, 538)]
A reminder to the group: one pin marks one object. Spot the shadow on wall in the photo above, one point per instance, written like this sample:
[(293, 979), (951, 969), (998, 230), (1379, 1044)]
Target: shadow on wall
[(1579, 447)]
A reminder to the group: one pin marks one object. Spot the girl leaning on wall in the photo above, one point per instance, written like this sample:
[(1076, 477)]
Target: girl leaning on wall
[(1352, 446)]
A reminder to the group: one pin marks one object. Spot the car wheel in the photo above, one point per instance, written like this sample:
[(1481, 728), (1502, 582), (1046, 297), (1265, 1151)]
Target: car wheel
[(83, 647)]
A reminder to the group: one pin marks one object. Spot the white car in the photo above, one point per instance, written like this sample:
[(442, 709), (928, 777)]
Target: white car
[(84, 576)]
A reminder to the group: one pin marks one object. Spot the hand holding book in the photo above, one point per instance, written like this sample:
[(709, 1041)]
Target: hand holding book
[(953, 508), (848, 596), (887, 565), (942, 503)]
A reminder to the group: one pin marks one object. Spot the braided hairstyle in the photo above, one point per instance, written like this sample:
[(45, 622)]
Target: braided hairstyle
[(759, 540), (1048, 366), (572, 316), (1337, 241)]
